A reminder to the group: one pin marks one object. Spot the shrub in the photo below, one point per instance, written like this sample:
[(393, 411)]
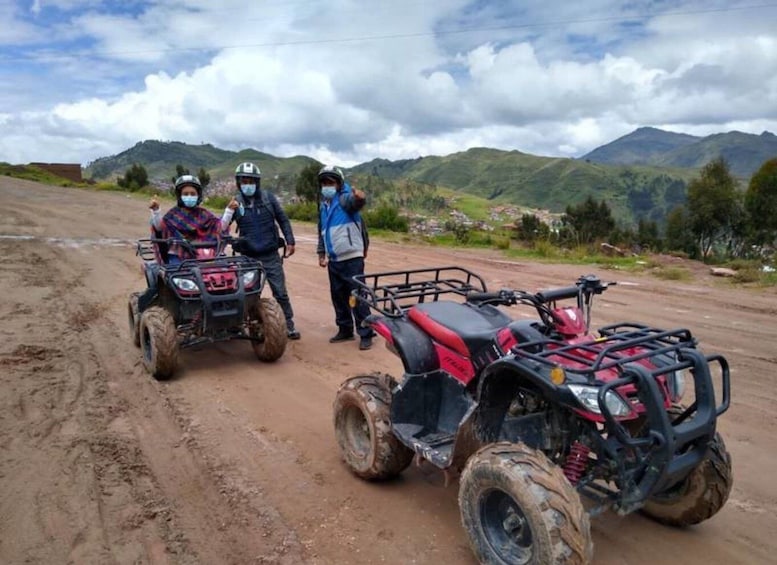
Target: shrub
[(672, 274), (748, 275), (303, 211), (219, 202), (385, 217)]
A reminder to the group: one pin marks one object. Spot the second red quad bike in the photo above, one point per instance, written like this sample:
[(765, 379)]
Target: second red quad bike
[(536, 414), (208, 298)]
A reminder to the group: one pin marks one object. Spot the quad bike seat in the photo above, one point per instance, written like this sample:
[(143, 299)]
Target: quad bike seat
[(463, 328)]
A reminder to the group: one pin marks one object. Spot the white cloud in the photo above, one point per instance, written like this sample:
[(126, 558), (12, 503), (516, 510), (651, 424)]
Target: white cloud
[(349, 81)]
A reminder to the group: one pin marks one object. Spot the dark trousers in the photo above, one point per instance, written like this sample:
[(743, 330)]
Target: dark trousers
[(273, 268), (340, 286)]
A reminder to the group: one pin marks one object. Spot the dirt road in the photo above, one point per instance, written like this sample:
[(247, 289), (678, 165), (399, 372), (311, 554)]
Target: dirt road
[(235, 461)]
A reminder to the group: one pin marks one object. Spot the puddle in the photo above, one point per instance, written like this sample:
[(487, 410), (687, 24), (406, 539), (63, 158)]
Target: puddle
[(73, 242)]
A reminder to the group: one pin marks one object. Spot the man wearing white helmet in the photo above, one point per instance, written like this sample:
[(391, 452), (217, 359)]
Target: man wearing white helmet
[(258, 218), (342, 247)]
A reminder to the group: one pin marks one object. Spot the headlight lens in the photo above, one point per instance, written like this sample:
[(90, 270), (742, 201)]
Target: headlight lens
[(187, 285), (676, 381), (249, 278), (588, 397)]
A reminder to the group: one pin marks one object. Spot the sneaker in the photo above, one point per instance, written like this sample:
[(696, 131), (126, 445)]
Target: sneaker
[(365, 343), (341, 336), (293, 334)]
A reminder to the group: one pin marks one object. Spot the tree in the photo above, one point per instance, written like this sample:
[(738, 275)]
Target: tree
[(679, 236), (307, 182), (179, 171), (647, 235), (134, 178), (531, 228), (714, 205), (761, 204), (588, 221), (204, 177)]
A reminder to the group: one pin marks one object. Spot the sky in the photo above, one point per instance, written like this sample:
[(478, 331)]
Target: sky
[(348, 81)]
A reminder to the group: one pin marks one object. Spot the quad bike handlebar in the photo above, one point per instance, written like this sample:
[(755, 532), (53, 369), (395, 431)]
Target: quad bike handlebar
[(583, 290), (146, 246)]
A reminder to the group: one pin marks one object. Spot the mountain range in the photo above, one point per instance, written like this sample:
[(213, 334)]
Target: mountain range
[(744, 152), (640, 175)]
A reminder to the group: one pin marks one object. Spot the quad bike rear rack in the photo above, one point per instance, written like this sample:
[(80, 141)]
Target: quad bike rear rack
[(392, 293)]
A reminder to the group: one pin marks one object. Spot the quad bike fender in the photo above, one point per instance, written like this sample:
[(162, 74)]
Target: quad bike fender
[(499, 384), (146, 299), (411, 345), (488, 420)]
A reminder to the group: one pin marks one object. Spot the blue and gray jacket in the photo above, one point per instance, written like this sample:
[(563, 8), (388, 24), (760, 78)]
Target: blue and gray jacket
[(341, 231)]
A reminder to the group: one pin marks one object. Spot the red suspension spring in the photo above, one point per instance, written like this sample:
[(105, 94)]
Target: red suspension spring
[(576, 462)]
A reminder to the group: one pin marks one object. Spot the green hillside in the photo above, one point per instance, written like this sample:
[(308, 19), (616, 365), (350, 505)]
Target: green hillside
[(160, 160), (632, 191), (544, 182)]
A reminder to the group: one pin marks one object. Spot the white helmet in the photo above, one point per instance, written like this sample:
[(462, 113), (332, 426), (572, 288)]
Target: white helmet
[(248, 170), (331, 172), (187, 180)]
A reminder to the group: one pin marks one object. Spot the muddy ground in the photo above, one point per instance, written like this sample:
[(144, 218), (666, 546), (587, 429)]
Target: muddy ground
[(234, 461)]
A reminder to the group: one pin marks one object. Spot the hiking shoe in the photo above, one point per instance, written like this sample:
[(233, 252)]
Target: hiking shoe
[(365, 343), (293, 334), (341, 336)]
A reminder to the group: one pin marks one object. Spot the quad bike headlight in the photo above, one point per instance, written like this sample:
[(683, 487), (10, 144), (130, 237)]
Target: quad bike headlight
[(676, 381), (588, 397), (249, 278), (184, 284)]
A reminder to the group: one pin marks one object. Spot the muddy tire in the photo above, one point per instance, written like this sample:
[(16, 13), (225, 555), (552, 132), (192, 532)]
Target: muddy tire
[(159, 342), (700, 496), (363, 428), (133, 317), (267, 321), (517, 507)]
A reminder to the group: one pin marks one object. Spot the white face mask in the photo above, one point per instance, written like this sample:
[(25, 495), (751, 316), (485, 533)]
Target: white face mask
[(248, 189), (328, 192)]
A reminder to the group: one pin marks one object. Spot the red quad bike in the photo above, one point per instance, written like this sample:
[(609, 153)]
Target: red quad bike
[(536, 414), (213, 297)]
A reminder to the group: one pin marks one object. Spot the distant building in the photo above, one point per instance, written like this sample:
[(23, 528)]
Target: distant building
[(68, 171)]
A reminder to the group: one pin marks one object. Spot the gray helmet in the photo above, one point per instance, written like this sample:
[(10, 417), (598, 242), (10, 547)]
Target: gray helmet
[(187, 180), (248, 170), (331, 172)]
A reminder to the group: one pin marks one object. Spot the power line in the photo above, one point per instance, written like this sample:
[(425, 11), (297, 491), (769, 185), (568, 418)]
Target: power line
[(395, 36)]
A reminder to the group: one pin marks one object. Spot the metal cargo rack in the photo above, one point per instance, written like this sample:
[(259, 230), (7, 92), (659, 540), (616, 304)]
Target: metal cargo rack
[(391, 293), (607, 351)]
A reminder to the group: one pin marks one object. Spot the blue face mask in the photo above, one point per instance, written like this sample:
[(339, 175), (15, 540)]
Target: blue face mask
[(248, 189), (328, 192), (189, 201)]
